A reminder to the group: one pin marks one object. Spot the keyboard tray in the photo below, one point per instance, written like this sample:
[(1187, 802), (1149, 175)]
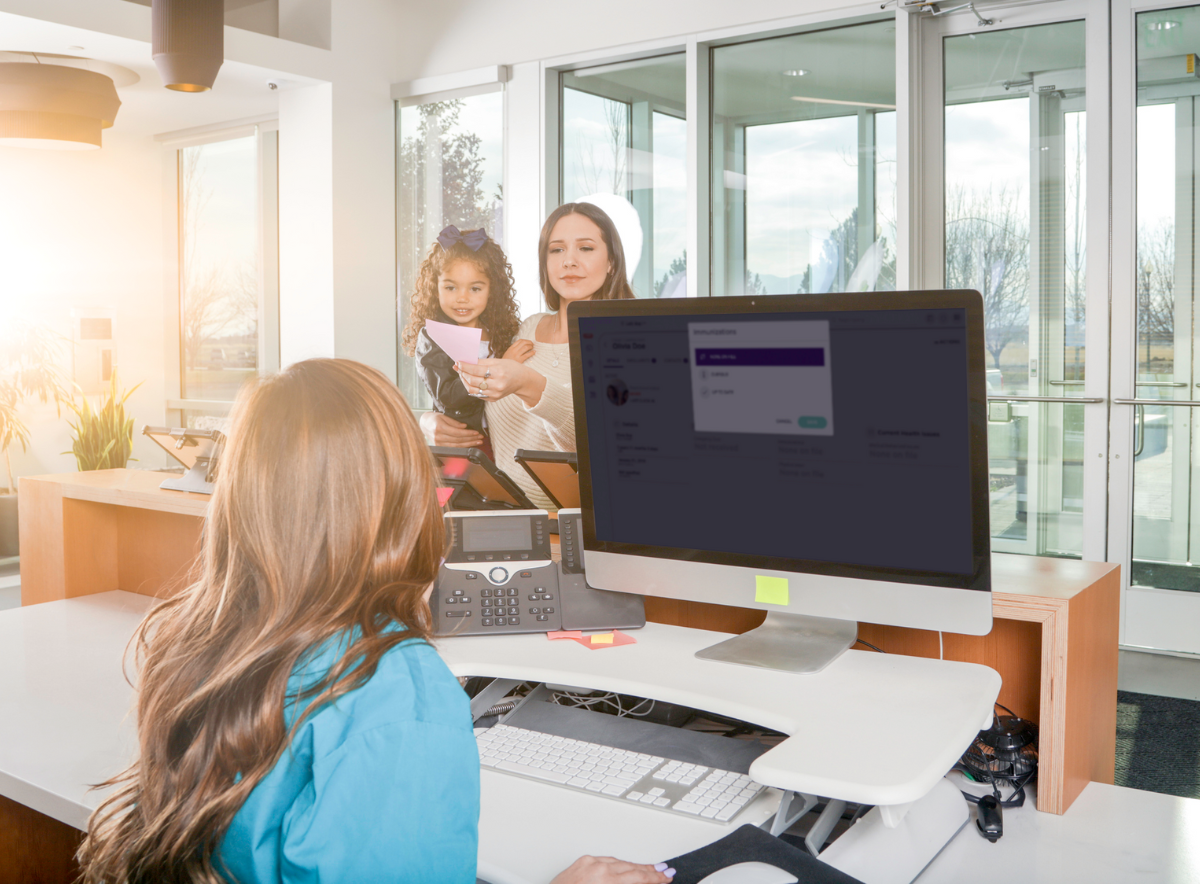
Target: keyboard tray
[(693, 747)]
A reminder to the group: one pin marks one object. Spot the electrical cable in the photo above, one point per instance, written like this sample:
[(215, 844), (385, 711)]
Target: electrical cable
[(871, 646)]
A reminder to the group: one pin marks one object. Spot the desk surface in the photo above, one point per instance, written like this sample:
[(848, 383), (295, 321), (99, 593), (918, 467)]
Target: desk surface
[(66, 713), (135, 488), (871, 728)]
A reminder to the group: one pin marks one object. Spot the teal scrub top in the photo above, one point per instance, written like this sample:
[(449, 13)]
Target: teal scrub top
[(380, 786)]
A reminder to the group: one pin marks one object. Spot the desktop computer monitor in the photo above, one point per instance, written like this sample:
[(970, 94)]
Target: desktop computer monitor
[(819, 457)]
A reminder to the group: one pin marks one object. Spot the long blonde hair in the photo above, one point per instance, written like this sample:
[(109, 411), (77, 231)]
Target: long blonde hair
[(324, 523)]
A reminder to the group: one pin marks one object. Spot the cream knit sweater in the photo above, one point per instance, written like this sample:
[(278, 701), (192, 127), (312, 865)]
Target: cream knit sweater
[(547, 426)]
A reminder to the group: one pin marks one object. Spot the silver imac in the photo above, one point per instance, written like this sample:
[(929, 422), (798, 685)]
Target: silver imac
[(819, 457)]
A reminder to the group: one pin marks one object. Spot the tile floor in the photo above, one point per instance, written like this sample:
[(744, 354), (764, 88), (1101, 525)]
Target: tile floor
[(1163, 675)]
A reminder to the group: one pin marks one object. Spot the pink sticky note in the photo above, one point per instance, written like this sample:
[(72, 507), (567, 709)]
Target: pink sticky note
[(455, 467), (460, 343), (560, 633), (617, 637), (443, 495)]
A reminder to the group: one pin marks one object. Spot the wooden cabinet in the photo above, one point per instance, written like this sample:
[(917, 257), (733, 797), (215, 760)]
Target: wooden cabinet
[(83, 533)]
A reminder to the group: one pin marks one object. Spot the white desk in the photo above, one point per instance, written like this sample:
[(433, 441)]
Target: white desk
[(65, 722), (871, 728)]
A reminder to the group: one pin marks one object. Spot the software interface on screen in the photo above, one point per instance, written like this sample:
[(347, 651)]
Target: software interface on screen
[(831, 437)]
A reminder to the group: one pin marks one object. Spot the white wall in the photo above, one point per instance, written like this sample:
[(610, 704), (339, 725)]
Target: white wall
[(79, 230), (337, 198)]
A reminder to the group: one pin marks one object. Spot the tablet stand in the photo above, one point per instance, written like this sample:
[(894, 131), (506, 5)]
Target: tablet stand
[(195, 479)]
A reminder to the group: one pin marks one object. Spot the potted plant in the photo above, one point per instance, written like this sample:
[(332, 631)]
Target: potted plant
[(28, 369), (102, 438)]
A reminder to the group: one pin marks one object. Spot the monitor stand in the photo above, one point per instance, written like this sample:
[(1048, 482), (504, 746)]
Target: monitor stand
[(789, 642)]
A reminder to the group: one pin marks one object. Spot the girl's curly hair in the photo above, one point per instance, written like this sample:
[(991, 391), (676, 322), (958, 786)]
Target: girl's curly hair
[(499, 317)]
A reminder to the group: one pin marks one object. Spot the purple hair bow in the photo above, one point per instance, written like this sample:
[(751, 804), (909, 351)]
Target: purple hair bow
[(472, 239)]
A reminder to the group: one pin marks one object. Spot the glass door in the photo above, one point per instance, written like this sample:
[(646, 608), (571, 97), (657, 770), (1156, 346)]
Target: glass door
[(1011, 185), (1163, 600)]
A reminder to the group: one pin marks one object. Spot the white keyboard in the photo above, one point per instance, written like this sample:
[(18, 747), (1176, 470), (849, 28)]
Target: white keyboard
[(650, 780)]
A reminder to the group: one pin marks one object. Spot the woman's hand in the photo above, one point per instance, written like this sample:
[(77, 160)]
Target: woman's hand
[(606, 870), (519, 350), (442, 430), (493, 379)]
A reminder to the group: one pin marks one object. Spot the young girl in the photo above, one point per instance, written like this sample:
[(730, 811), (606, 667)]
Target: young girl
[(465, 279), (294, 722)]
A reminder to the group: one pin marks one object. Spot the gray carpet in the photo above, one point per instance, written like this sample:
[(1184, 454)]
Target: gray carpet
[(1158, 744)]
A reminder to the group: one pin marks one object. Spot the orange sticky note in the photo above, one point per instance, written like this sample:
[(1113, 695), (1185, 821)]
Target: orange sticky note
[(560, 633), (443, 495), (613, 639)]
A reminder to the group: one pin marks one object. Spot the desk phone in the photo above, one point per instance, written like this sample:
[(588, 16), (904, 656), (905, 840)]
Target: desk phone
[(498, 576)]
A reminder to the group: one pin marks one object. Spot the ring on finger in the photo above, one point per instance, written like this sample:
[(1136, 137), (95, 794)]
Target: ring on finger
[(487, 374), (482, 386)]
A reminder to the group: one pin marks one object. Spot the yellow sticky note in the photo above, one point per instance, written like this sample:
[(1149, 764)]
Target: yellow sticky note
[(770, 590), (603, 639)]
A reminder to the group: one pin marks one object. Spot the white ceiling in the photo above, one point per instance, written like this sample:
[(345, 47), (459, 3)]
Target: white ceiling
[(147, 108)]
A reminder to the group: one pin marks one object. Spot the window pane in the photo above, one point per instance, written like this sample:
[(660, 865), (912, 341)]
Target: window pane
[(1166, 482), (450, 171), (1015, 182), (624, 133), (804, 152), (219, 273)]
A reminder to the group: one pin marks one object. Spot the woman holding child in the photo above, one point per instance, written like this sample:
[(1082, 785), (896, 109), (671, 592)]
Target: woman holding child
[(527, 394)]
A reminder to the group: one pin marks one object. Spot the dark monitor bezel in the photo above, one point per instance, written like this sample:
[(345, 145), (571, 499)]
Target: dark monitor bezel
[(969, 301)]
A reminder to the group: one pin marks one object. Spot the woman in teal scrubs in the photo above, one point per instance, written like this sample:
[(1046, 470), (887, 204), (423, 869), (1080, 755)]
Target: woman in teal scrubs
[(294, 722)]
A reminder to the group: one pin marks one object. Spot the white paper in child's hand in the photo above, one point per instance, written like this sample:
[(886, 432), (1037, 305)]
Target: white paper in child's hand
[(460, 343)]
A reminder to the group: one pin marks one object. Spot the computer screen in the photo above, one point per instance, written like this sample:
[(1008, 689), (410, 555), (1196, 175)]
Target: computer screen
[(835, 442)]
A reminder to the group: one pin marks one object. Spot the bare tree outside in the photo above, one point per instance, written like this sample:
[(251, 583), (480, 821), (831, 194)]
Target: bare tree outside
[(1156, 293), (219, 292), (459, 198), (1075, 268), (987, 248), (601, 165)]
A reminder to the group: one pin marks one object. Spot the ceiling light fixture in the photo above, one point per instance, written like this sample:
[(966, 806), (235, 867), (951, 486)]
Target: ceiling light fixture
[(1162, 25), (54, 106), (188, 42), (796, 72), (841, 102)]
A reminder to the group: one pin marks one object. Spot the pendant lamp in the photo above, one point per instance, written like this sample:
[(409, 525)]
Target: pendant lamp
[(54, 106), (188, 42)]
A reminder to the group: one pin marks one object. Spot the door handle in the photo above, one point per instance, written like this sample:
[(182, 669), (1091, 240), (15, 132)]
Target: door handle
[(1087, 400), (1177, 403), (1139, 429)]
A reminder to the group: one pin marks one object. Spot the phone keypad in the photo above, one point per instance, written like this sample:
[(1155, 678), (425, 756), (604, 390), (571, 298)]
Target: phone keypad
[(461, 606)]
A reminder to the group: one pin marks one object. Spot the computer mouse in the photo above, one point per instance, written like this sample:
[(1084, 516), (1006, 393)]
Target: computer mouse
[(750, 873), (991, 818)]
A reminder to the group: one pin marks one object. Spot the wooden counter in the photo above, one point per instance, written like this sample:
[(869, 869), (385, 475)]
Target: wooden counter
[(1054, 639), (83, 533)]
